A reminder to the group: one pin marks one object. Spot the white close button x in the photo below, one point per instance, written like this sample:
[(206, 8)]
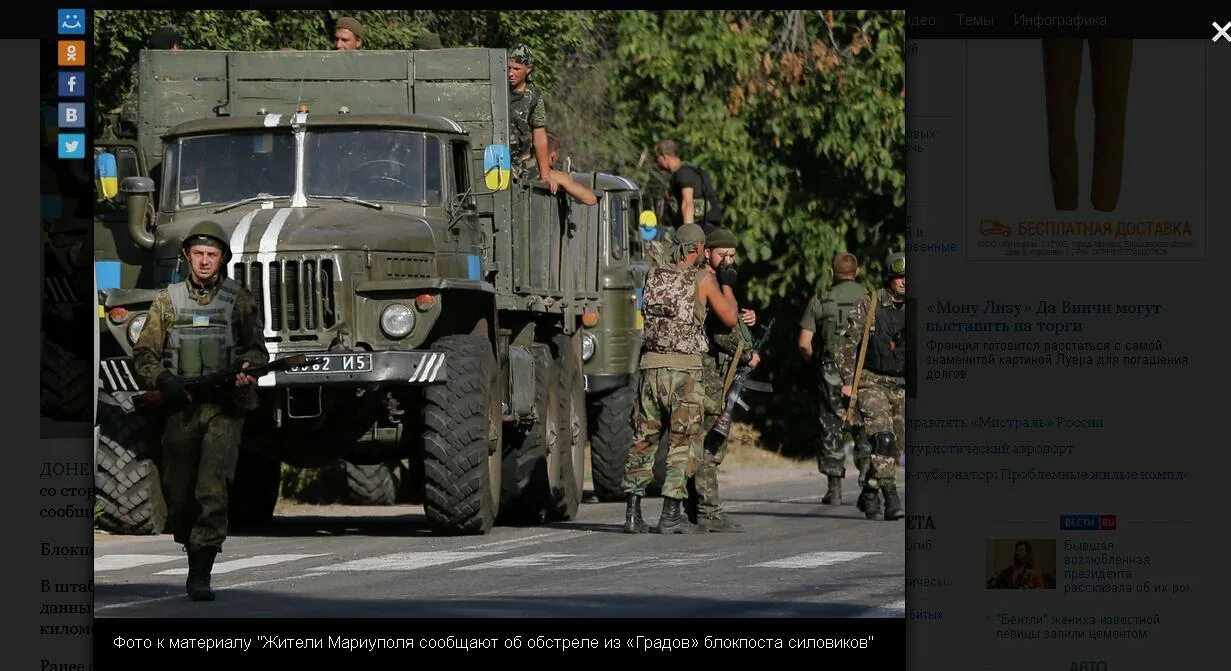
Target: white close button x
[(1223, 31)]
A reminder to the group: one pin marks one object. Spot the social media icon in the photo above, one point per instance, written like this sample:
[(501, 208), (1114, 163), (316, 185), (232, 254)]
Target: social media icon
[(72, 53), (72, 145), (72, 115), (70, 22), (72, 84)]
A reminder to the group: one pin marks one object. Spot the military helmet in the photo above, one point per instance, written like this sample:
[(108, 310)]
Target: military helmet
[(209, 233), (689, 235), (895, 265)]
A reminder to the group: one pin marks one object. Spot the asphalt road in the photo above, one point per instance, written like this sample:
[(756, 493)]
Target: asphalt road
[(796, 558)]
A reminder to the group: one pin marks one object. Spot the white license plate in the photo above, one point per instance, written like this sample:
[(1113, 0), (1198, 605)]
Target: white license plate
[(335, 363)]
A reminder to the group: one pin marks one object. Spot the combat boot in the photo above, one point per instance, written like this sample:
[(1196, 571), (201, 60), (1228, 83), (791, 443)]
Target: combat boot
[(893, 505), (833, 497), (200, 564), (869, 502), (633, 522), (718, 524), (673, 520)]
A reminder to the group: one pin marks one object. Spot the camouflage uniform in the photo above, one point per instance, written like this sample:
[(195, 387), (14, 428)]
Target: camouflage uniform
[(526, 112), (671, 389), (200, 443), (716, 363), (826, 316), (882, 393)]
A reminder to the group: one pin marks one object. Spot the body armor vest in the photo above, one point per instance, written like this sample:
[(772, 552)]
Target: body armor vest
[(672, 322), (836, 304), (887, 349), (201, 339), (520, 110)]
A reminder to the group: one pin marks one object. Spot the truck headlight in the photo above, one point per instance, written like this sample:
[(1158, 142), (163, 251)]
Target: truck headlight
[(588, 345), (134, 328), (397, 320)]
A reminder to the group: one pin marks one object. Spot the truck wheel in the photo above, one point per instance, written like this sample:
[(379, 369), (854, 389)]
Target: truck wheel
[(461, 439), (126, 481), (253, 495), (371, 484), (66, 390), (611, 437), (526, 494), (569, 463)]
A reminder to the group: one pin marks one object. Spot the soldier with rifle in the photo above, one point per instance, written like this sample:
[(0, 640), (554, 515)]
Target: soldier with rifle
[(872, 359), (206, 324), (729, 349)]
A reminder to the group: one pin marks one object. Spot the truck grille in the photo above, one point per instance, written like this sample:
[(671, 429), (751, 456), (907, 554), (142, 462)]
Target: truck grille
[(293, 296)]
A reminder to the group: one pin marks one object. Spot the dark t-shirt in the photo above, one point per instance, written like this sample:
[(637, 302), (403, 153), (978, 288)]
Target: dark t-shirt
[(690, 176)]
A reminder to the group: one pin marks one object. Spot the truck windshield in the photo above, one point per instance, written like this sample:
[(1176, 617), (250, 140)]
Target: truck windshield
[(375, 165), (220, 169)]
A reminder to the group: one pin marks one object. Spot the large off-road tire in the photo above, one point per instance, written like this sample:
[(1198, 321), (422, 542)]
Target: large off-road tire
[(253, 494), (526, 484), (372, 484), (126, 481), (66, 389), (461, 439), (611, 436), (569, 461)]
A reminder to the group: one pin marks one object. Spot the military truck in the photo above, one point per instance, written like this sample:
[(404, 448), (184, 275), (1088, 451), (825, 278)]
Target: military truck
[(374, 216)]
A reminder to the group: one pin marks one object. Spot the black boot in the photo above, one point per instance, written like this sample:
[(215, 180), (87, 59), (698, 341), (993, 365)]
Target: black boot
[(673, 520), (893, 505), (718, 524), (200, 563), (633, 522), (869, 502), (833, 497)]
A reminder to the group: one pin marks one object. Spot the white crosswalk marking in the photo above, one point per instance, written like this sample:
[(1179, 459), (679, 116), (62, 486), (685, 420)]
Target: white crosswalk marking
[(121, 562), (539, 559), (406, 561), (599, 563), (813, 559), (247, 562), (685, 558)]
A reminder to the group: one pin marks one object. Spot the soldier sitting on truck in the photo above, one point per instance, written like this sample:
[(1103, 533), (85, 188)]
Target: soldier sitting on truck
[(527, 120), (348, 34)]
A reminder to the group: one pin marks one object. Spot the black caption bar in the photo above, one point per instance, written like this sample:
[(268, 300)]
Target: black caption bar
[(1026, 23)]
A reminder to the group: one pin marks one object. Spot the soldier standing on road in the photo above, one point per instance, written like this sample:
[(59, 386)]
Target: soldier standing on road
[(205, 324), (723, 342), (825, 318), (675, 302), (348, 34), (882, 384), (527, 119), (693, 192)]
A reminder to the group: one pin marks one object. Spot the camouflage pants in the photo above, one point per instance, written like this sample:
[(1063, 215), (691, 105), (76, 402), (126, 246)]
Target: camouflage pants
[(705, 482), (882, 404), (831, 458), (200, 448), (676, 396)]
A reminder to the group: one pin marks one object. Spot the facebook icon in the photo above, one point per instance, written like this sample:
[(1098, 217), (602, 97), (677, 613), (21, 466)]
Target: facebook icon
[(72, 84)]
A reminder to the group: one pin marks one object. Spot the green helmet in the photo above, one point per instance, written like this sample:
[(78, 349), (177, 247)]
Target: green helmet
[(721, 238), (209, 233), (895, 265)]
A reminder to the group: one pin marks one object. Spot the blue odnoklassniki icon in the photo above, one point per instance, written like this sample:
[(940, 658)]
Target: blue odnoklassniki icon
[(72, 115), (70, 22), (71, 145), (72, 83)]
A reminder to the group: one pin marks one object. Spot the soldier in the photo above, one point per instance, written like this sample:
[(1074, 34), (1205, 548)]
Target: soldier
[(882, 384), (693, 192), (723, 342), (825, 319), (528, 119), (676, 298), (578, 192), (348, 34), (205, 324)]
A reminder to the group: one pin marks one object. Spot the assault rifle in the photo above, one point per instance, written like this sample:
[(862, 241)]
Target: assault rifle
[(226, 378), (737, 381)]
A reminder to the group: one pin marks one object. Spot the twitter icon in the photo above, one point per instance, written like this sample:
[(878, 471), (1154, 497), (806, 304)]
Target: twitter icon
[(72, 145)]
